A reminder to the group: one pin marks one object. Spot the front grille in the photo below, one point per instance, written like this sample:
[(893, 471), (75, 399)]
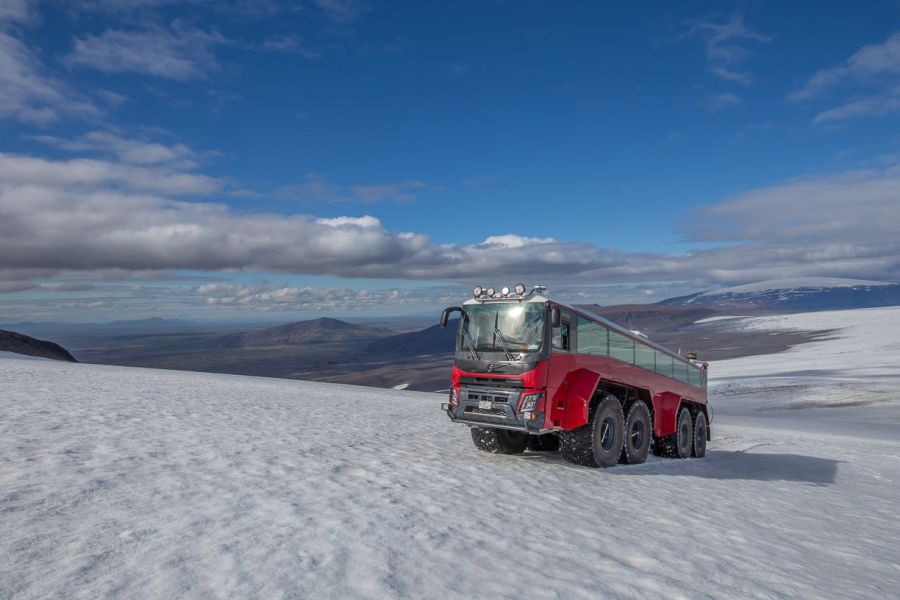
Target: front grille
[(487, 412), (476, 396), (491, 381)]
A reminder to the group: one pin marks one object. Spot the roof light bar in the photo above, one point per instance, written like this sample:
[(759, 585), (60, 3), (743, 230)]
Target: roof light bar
[(519, 292)]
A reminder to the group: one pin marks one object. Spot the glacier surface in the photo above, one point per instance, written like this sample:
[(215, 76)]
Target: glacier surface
[(122, 482)]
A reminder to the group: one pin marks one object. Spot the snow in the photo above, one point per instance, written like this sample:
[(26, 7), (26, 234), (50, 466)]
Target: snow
[(794, 284), (718, 318), (17, 356), (862, 342), (138, 483)]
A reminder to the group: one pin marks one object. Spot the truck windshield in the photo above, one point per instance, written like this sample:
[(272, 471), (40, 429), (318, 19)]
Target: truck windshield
[(519, 325)]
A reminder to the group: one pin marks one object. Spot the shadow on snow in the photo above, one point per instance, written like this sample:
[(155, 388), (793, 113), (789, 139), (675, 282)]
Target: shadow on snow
[(725, 464)]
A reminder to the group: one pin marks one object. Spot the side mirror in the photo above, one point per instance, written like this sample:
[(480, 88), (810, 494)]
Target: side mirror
[(445, 316), (555, 316)]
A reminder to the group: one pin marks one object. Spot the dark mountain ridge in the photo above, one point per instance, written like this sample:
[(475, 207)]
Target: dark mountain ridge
[(429, 341), (800, 295), (323, 330), (10, 341)]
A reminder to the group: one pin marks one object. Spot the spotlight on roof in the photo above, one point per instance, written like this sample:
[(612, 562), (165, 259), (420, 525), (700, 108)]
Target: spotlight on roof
[(520, 289), (477, 291), (504, 291), (490, 291)]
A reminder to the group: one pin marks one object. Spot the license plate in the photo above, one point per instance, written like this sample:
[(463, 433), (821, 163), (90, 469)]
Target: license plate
[(484, 404)]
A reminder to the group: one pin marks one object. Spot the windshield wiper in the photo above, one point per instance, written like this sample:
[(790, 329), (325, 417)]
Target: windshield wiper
[(470, 344), (509, 355), (499, 334)]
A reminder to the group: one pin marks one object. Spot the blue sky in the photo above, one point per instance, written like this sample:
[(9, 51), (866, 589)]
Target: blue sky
[(215, 159)]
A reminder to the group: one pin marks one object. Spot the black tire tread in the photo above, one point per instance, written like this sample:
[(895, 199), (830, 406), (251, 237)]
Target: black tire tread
[(499, 441), (684, 413), (577, 445), (667, 446), (701, 417), (631, 456)]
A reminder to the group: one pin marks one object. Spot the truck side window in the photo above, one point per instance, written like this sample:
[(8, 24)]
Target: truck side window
[(561, 337)]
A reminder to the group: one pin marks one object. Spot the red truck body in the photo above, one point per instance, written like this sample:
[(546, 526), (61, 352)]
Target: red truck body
[(495, 377)]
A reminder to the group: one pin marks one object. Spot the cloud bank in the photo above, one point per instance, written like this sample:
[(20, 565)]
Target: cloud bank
[(92, 215)]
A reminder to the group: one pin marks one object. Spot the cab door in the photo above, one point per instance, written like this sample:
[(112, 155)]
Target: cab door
[(563, 346)]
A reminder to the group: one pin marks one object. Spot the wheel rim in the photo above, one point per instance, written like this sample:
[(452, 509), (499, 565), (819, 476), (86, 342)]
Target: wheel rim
[(607, 434), (637, 435)]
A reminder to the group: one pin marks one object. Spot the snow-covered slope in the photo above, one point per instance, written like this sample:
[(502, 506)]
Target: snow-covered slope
[(855, 343), (797, 283), (798, 294), (135, 483)]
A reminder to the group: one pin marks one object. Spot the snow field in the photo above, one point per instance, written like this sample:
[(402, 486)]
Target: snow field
[(138, 483)]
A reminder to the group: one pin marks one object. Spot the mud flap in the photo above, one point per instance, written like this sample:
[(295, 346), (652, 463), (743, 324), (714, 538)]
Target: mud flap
[(665, 413)]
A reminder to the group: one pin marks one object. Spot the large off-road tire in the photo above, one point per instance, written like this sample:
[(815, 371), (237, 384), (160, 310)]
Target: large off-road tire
[(550, 442), (599, 442), (638, 433), (499, 441), (543, 443), (700, 435), (680, 443)]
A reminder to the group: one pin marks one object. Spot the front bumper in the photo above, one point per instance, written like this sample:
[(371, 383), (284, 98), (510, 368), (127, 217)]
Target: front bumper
[(493, 407)]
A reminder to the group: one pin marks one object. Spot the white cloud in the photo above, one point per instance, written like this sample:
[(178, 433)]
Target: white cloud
[(515, 241), (28, 92), (364, 222), (869, 61), (875, 106), (89, 173), (855, 207), (127, 150), (872, 75), (15, 11), (725, 46), (179, 52), (265, 297)]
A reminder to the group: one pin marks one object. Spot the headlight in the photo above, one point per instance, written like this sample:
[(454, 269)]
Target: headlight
[(530, 402)]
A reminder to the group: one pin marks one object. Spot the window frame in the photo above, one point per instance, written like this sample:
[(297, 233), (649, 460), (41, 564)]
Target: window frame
[(564, 322)]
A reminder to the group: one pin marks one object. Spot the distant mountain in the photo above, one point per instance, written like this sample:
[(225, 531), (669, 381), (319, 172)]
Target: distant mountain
[(650, 318), (430, 341), (322, 330), (11, 341), (794, 295)]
